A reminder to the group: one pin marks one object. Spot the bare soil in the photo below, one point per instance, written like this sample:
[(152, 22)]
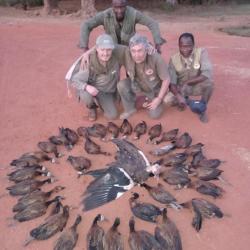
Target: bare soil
[(36, 53)]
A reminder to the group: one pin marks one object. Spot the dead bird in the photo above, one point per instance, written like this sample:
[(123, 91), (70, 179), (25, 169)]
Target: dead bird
[(52, 225), (35, 210), (92, 148), (113, 239), (177, 176), (144, 211), (139, 240), (196, 159), (69, 238), (49, 147), (154, 132), (28, 173), (168, 136), (70, 136), (126, 128), (95, 235), (209, 163), (27, 186), (202, 209), (140, 129), (113, 129), (161, 195), (207, 174), (33, 197), (79, 163), (183, 141), (173, 159), (58, 139), (167, 234), (163, 150), (194, 149), (97, 130), (207, 188)]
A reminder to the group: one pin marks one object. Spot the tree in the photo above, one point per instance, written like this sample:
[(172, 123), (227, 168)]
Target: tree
[(50, 6), (88, 8)]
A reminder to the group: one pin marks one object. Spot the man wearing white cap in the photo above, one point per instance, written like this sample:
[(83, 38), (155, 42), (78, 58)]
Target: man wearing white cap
[(98, 82)]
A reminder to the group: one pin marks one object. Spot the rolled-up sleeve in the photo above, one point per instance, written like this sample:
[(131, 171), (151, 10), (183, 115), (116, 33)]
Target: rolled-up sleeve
[(152, 25), (172, 73), (206, 65), (86, 28), (80, 79)]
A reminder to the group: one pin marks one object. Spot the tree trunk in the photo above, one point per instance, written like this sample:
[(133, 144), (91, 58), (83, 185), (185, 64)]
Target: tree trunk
[(88, 8), (50, 6)]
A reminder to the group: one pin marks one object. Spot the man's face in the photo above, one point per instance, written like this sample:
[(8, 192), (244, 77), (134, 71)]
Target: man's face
[(138, 53), (104, 55), (119, 8), (186, 46)]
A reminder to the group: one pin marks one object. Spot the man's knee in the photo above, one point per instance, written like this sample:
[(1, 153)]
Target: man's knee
[(111, 115)]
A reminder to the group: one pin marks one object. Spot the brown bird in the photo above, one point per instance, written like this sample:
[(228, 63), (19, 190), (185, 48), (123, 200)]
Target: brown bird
[(113, 129), (209, 163), (92, 148), (168, 136), (154, 132), (82, 131), (27, 186), (142, 210), (126, 128), (113, 239), (194, 149), (79, 163), (28, 173), (177, 175), (35, 210), (139, 240), (161, 195), (207, 174), (33, 197), (140, 129), (183, 141), (97, 130), (196, 159), (52, 225), (207, 188), (49, 147), (69, 238), (71, 137), (58, 139), (173, 159), (95, 235), (202, 209), (167, 234)]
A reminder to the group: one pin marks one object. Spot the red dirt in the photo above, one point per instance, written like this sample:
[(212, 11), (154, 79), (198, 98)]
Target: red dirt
[(35, 55)]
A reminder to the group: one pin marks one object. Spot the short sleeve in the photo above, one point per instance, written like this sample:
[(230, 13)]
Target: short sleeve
[(162, 68), (206, 65)]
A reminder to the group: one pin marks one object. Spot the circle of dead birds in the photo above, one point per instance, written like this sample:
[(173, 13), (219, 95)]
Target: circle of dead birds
[(179, 163)]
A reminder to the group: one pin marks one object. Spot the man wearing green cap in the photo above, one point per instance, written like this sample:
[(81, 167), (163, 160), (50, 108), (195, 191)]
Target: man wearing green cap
[(148, 77), (190, 74), (119, 22), (97, 82)]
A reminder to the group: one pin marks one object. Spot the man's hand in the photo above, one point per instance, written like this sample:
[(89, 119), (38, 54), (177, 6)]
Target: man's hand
[(154, 103), (92, 90), (181, 102), (158, 48)]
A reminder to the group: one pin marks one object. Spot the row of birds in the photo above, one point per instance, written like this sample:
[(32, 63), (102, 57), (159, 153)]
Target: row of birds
[(34, 202)]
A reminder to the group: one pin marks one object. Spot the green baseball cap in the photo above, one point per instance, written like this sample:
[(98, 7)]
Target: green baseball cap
[(105, 41)]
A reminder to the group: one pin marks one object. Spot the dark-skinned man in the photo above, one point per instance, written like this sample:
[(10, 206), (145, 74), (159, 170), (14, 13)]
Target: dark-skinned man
[(119, 22), (190, 73)]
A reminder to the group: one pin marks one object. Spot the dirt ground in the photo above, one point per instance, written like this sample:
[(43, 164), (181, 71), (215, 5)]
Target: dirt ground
[(35, 55)]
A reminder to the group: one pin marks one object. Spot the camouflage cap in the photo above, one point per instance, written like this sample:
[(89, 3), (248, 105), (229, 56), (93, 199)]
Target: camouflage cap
[(105, 41)]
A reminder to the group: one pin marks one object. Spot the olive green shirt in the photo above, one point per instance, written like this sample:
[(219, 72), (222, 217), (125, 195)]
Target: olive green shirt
[(104, 78), (120, 32), (189, 68), (148, 75)]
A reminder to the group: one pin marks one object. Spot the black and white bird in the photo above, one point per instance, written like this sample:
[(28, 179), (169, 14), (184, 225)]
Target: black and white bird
[(130, 168)]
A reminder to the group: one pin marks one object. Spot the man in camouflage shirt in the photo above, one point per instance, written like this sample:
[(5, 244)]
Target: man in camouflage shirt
[(119, 22), (190, 73), (148, 76)]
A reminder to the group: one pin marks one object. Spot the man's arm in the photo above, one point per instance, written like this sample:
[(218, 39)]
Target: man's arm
[(153, 27), (87, 27)]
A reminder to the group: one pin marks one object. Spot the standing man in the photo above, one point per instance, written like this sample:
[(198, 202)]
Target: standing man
[(148, 76), (98, 82), (191, 75), (119, 22)]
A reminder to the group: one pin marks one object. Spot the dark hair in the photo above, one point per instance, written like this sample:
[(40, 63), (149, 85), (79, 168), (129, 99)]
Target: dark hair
[(187, 35)]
